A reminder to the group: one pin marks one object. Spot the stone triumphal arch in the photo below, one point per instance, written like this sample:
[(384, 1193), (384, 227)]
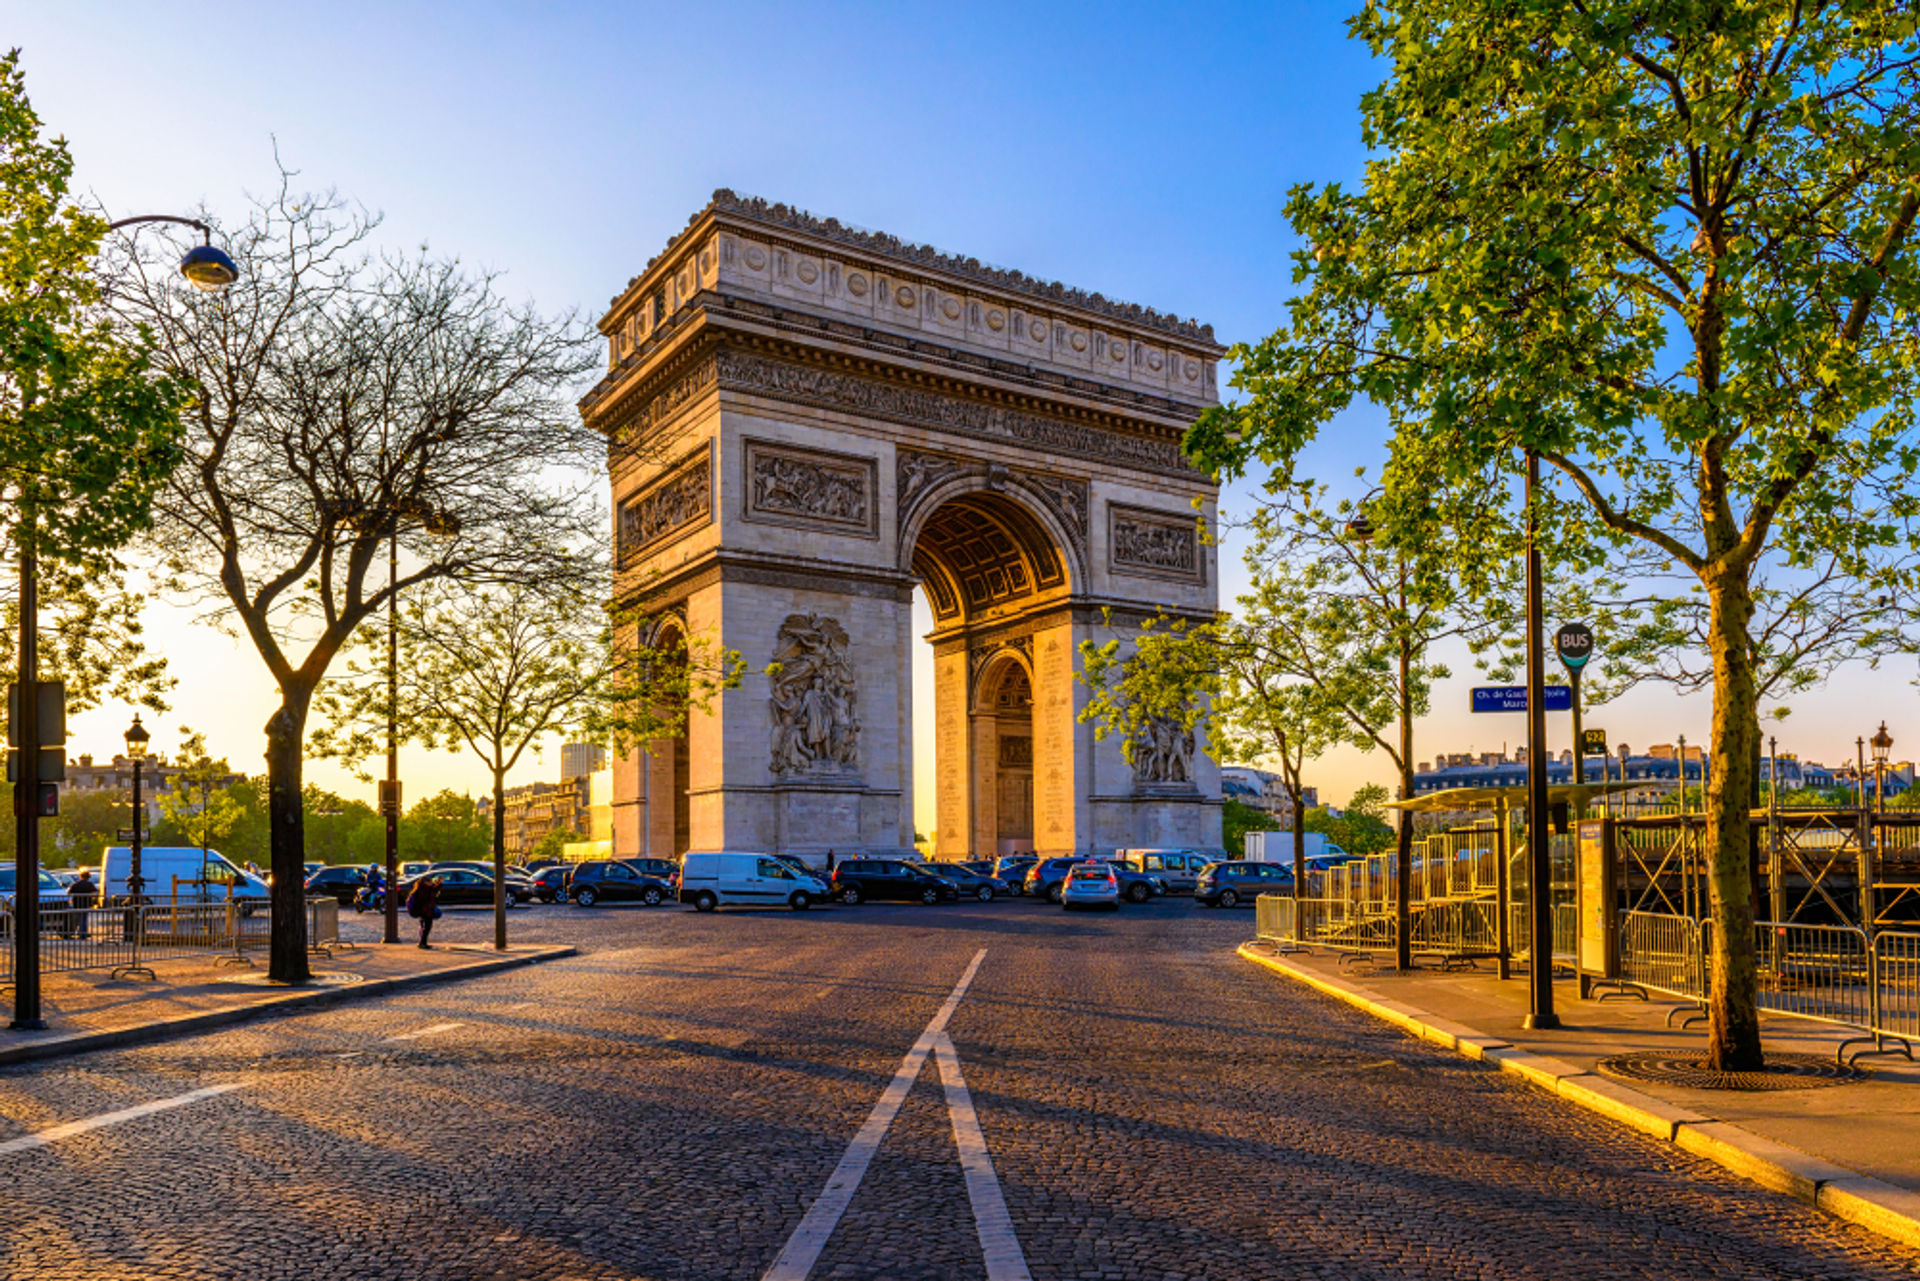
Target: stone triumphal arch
[(808, 422)]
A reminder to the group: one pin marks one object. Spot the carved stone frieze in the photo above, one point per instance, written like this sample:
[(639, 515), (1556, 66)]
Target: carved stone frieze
[(680, 500), (1164, 756), (1069, 498), (629, 437), (834, 390), (915, 473), (1016, 751), (816, 722), (1156, 544), (812, 488)]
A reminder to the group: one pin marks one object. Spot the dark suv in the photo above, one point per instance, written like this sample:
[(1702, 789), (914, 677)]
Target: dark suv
[(858, 879), (1044, 879), (612, 881), (339, 883), (1238, 881)]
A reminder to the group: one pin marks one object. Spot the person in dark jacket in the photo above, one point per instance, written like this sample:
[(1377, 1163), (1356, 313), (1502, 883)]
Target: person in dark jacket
[(81, 895), (423, 903)]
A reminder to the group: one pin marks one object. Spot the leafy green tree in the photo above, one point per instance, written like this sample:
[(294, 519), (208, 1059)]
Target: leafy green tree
[(345, 401), (445, 826), (1237, 818), (554, 844), (1668, 250), (88, 822), (198, 803)]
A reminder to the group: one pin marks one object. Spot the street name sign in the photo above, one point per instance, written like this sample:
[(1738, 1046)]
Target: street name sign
[(1513, 698)]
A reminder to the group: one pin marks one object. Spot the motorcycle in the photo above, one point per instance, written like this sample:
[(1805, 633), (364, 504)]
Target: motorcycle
[(370, 898)]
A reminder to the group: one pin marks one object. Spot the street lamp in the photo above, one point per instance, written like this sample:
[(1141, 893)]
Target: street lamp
[(204, 267), (1360, 530), (1882, 744), (137, 737)]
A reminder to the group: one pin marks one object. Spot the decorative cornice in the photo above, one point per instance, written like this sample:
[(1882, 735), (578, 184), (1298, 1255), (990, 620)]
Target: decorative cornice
[(757, 210)]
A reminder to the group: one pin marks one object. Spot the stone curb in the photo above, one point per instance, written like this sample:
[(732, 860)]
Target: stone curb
[(1866, 1202), (162, 1029)]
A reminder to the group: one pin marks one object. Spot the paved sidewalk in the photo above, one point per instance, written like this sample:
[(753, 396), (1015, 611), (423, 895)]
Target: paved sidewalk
[(1816, 1144), (88, 1010)]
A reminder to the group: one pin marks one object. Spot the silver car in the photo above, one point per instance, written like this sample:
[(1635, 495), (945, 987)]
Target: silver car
[(1091, 885)]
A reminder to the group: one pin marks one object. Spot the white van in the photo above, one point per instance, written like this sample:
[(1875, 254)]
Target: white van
[(726, 878), (161, 864)]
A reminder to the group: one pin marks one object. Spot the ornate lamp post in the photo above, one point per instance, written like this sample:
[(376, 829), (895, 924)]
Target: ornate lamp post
[(137, 737), (1882, 744), (205, 267)]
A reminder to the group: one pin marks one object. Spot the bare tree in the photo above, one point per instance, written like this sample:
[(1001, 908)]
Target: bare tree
[(345, 399)]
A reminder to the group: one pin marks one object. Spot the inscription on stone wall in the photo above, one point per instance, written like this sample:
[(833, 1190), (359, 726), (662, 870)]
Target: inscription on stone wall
[(806, 487), (680, 500), (1152, 543), (816, 723)]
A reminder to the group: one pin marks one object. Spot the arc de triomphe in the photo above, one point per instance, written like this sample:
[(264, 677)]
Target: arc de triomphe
[(806, 423)]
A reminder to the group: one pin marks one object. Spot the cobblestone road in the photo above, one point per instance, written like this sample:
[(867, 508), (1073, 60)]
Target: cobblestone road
[(670, 1103)]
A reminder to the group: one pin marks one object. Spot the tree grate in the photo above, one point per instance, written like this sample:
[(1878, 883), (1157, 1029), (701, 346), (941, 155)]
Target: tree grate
[(1782, 1072)]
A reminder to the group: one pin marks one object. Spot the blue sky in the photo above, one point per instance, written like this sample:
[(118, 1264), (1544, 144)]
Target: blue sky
[(1144, 151)]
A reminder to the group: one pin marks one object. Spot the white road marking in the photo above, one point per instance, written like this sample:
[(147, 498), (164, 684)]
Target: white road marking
[(434, 1030), (998, 1241), (54, 1134), (810, 1237)]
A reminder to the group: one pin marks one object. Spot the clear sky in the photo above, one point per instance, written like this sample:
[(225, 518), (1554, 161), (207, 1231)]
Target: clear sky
[(1142, 150)]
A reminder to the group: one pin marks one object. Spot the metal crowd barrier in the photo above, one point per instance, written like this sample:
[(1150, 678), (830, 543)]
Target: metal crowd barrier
[(1819, 972), (1664, 953), (125, 938)]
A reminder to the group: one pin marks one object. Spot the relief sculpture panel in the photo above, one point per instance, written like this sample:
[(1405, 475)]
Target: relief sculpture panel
[(790, 486), (1153, 543), (681, 500), (816, 724)]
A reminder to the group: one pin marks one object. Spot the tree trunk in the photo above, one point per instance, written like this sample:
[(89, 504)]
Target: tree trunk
[(1299, 855), (286, 837), (500, 860), (1733, 1026)]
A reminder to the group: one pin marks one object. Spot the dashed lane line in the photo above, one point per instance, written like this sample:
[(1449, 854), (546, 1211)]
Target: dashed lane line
[(433, 1030), (998, 1242), (810, 1237), (54, 1134)]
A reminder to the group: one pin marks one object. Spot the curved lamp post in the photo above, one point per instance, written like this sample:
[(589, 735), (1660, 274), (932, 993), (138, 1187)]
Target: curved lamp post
[(1882, 745), (137, 738), (207, 268)]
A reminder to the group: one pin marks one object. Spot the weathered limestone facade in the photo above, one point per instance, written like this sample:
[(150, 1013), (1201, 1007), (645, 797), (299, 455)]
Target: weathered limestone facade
[(806, 422)]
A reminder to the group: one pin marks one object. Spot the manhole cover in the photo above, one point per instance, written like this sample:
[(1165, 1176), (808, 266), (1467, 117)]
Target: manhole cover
[(1782, 1072), (320, 978)]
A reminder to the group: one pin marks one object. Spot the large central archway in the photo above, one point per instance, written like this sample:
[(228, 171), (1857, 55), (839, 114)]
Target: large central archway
[(995, 566)]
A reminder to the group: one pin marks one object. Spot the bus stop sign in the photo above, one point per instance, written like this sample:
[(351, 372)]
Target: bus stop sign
[(1575, 643)]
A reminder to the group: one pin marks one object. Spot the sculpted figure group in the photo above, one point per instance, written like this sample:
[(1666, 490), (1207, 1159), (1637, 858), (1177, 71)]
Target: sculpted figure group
[(815, 725)]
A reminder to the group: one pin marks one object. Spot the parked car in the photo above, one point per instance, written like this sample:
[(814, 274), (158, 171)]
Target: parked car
[(53, 895), (1091, 884), (459, 887), (66, 877), (519, 889), (341, 883), (970, 883), (410, 870), (615, 881), (723, 878), (1227, 883), (667, 870), (542, 864), (1178, 869), (858, 879), (1012, 869), (550, 883), (1045, 879)]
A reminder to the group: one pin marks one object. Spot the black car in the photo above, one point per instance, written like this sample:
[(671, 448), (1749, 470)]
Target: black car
[(459, 887), (1012, 869), (661, 869), (1240, 881), (615, 881), (550, 883), (1044, 879), (858, 879), (969, 882), (339, 883), (519, 889)]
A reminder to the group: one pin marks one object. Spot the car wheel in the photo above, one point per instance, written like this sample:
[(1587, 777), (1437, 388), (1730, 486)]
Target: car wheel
[(586, 896), (1053, 893), (650, 896), (929, 896), (1137, 893), (704, 901), (850, 895), (984, 893), (800, 901), (1227, 898)]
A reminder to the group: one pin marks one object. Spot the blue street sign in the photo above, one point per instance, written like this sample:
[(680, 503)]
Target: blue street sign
[(1513, 698)]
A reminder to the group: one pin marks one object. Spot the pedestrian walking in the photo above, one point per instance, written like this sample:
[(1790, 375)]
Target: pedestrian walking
[(829, 862), (82, 895), (423, 904)]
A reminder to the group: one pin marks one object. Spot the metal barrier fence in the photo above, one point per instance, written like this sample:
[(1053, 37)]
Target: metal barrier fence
[(125, 939), (1820, 972), (1664, 953)]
